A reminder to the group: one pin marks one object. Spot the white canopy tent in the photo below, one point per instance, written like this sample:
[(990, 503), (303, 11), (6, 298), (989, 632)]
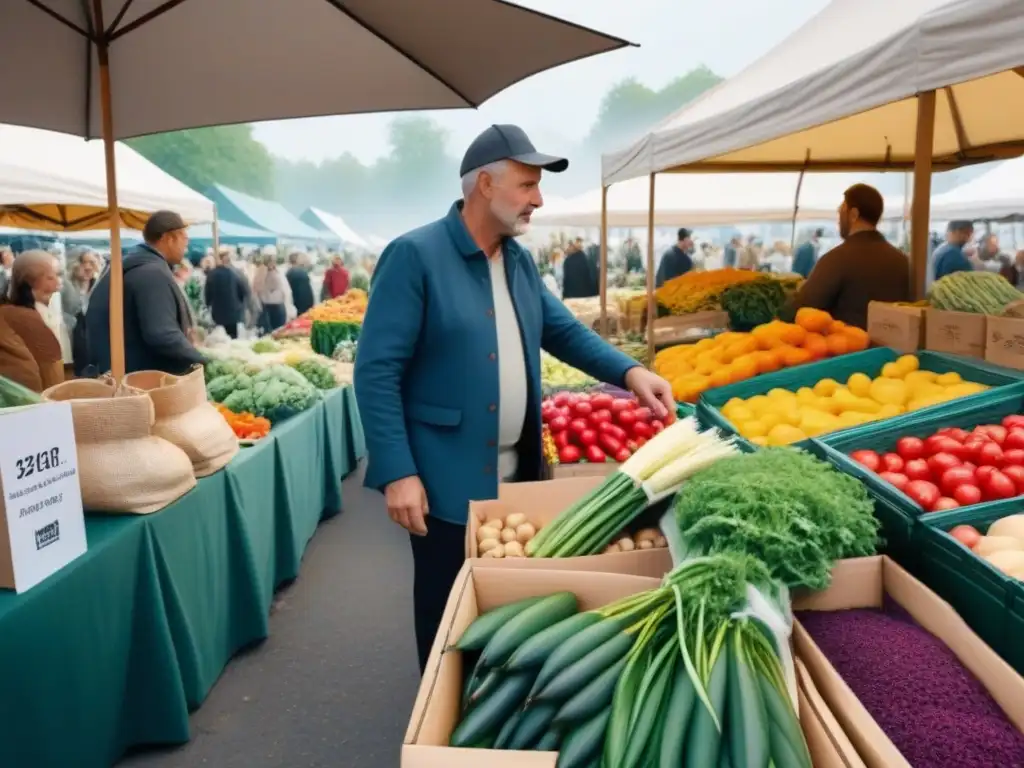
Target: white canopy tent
[(997, 195), (54, 181), (336, 225)]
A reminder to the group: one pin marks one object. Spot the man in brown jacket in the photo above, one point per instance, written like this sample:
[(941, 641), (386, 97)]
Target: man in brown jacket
[(864, 268)]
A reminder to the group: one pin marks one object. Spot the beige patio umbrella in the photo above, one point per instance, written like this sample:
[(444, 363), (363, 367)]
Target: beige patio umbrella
[(864, 85), (121, 68)]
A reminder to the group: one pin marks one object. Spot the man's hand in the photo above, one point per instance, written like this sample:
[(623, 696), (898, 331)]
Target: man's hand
[(407, 504), (651, 390)]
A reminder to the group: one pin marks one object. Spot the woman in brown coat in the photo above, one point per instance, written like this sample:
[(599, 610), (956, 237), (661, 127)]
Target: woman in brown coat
[(24, 310)]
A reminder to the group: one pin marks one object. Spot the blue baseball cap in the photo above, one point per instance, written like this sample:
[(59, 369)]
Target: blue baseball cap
[(507, 142)]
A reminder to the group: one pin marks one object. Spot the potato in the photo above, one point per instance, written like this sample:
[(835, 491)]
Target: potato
[(508, 534), (647, 534), (1009, 561), (488, 544), (525, 532), (495, 523), (988, 544), (1012, 526), (661, 542), (626, 544), (487, 532), (497, 551), (514, 549), (645, 544), (515, 520), (612, 548)]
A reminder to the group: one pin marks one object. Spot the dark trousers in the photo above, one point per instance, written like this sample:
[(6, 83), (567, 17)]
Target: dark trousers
[(274, 316), (437, 558)]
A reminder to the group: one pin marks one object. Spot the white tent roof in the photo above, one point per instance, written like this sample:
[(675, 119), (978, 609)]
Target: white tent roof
[(997, 194), (55, 181), (840, 93), (337, 226), (704, 200)]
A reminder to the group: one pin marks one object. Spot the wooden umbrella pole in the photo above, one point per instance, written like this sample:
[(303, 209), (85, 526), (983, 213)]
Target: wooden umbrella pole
[(603, 325), (796, 208), (216, 235), (922, 192), (651, 303)]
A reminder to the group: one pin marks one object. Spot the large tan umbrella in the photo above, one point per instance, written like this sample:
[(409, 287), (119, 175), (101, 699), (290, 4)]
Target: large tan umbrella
[(864, 85), (121, 68)]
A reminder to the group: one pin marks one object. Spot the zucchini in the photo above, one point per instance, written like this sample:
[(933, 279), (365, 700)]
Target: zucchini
[(580, 673), (485, 688), (550, 741), (622, 707), (535, 651), (650, 703), (508, 729), (582, 745), (703, 738), (491, 712), (479, 633), (678, 710), (525, 624), (783, 724), (576, 647), (746, 720), (532, 725), (594, 696)]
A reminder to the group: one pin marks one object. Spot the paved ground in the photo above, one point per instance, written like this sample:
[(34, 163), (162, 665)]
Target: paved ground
[(333, 685)]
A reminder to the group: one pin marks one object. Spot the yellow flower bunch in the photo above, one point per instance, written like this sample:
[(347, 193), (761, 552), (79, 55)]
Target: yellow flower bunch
[(700, 291)]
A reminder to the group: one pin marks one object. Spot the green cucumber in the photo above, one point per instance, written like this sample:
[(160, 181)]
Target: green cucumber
[(549, 742), (479, 633), (582, 745), (578, 646), (783, 724), (578, 674), (491, 712), (508, 730), (490, 683), (594, 696), (681, 698), (650, 703), (703, 738), (746, 720), (525, 624), (532, 725), (535, 651)]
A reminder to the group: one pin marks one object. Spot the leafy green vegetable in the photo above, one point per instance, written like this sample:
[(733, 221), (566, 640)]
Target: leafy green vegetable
[(752, 304), (264, 346), (217, 368), (318, 374), (13, 394), (793, 512), (240, 401)]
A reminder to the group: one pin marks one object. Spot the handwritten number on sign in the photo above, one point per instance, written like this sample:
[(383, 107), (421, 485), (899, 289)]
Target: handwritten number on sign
[(37, 462)]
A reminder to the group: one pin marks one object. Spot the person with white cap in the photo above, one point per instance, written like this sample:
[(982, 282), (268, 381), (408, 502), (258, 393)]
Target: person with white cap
[(448, 371)]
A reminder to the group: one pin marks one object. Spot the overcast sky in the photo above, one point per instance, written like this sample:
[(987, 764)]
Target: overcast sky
[(559, 106)]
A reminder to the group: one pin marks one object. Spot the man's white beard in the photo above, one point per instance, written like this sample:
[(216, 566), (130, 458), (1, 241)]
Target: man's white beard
[(515, 226)]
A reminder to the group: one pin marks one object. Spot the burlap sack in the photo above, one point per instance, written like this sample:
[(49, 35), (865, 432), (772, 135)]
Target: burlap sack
[(122, 466), (186, 418)]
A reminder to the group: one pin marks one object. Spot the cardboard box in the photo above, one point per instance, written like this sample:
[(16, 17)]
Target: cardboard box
[(692, 327), (1004, 342), (479, 589), (863, 583), (957, 333), (583, 469), (829, 746), (901, 328), (542, 502)]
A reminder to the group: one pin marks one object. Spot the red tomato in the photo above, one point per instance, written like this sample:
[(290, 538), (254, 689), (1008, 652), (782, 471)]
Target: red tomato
[(981, 474), (641, 429), (967, 494), (957, 434), (601, 400), (570, 454), (869, 459), (641, 442), (595, 455), (944, 431), (625, 418), (995, 431), (606, 427), (972, 447), (945, 503), (917, 469), (600, 416), (561, 439), (1016, 473), (622, 404), (610, 444), (945, 444), (910, 448), (565, 411), (657, 426), (954, 478), (967, 535), (588, 437), (940, 462), (622, 455), (998, 486), (1014, 438), (897, 479), (922, 492), (991, 455), (583, 408), (891, 462), (1013, 456), (549, 414), (578, 426), (1013, 420), (560, 399), (980, 434), (558, 424), (643, 414)]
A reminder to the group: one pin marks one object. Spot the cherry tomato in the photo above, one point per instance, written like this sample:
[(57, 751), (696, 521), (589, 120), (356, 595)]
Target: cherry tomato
[(891, 462), (954, 478), (967, 535), (583, 408), (641, 442), (967, 494), (1013, 456), (998, 486), (558, 424), (565, 411), (570, 454), (991, 455), (910, 448), (945, 503), (643, 414), (994, 431), (981, 474), (940, 462), (657, 426), (1014, 420), (897, 479), (942, 444), (1014, 438), (1016, 473), (622, 455), (923, 493), (641, 429), (610, 444), (549, 414), (917, 469), (625, 418), (957, 434), (562, 398), (606, 427), (622, 404), (601, 400), (578, 426), (595, 455), (600, 416), (588, 437), (973, 447), (561, 439), (869, 459)]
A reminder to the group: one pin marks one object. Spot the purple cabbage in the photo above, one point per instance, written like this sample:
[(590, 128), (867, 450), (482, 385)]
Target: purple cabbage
[(934, 711)]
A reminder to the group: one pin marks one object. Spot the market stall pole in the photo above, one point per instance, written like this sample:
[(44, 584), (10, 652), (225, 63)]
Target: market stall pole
[(604, 262), (921, 206), (652, 305)]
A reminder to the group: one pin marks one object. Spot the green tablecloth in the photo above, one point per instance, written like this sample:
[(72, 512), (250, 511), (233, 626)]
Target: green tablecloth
[(115, 649)]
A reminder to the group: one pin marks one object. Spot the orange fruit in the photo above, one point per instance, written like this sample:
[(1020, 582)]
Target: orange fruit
[(768, 361), (838, 344), (766, 335), (720, 378), (815, 344), (796, 356), (857, 337), (836, 326), (792, 334), (745, 367), (813, 320)]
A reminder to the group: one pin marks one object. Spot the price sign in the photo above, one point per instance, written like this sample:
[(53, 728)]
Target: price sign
[(42, 499)]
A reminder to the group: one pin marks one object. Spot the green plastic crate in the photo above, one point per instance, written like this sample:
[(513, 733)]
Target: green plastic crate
[(990, 602), (869, 362), (881, 436)]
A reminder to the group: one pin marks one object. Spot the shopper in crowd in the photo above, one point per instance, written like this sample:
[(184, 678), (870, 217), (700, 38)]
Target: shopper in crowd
[(82, 273), (806, 255), (950, 257), (26, 310), (989, 257), (865, 267), (298, 279), (336, 278), (448, 370), (1014, 272), (273, 294), (226, 294), (577, 277), (730, 256), (677, 260), (6, 263), (157, 320)]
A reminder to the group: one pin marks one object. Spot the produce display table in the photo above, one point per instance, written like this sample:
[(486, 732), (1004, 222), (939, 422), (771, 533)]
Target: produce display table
[(116, 648)]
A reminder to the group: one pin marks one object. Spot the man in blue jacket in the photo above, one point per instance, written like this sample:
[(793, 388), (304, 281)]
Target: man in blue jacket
[(448, 369), (950, 257)]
